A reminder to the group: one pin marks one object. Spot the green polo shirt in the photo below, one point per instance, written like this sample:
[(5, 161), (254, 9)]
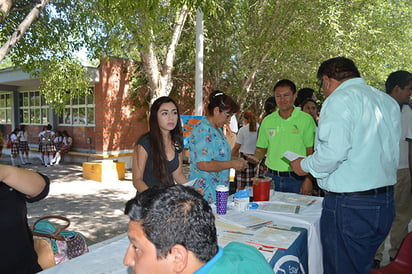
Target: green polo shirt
[(279, 135)]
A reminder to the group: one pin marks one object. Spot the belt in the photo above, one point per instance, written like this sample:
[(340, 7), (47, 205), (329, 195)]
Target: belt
[(374, 191), (286, 174)]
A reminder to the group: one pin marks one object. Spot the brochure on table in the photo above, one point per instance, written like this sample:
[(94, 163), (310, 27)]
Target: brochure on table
[(256, 231)]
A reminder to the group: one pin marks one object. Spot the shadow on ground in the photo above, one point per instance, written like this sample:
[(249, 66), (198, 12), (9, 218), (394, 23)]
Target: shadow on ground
[(97, 216), (95, 209)]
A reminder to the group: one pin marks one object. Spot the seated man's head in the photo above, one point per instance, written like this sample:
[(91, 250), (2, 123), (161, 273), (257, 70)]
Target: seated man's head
[(171, 230)]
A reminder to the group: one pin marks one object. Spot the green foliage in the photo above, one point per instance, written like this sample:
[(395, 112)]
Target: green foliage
[(6, 63), (66, 79), (48, 48), (139, 96), (289, 39), (268, 39)]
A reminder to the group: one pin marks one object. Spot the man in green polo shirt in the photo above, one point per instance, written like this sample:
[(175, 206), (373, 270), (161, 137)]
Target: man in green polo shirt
[(286, 129)]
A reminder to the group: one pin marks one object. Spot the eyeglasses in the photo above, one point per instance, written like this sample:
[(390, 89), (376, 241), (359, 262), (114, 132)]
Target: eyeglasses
[(320, 84), (228, 115)]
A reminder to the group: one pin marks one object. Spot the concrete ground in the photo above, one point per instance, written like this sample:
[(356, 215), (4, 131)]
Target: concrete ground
[(95, 209)]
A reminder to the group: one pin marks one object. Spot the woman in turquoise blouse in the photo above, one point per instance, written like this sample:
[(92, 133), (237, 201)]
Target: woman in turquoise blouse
[(209, 151)]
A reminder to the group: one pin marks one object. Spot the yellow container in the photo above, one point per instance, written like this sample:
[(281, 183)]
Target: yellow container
[(104, 171)]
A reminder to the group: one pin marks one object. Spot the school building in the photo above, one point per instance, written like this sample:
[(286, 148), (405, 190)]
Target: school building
[(104, 125)]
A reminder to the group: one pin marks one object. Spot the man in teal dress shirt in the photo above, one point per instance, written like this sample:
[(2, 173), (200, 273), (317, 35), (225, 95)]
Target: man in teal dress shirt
[(355, 161), (172, 230)]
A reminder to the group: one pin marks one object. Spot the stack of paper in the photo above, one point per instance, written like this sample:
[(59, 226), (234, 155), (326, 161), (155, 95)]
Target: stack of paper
[(266, 239), (278, 207), (244, 219)]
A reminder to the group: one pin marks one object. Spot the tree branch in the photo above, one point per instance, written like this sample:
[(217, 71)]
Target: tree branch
[(5, 6), (177, 31), (22, 28)]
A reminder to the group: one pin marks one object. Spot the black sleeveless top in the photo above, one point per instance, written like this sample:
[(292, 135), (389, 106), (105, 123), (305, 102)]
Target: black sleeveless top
[(149, 174)]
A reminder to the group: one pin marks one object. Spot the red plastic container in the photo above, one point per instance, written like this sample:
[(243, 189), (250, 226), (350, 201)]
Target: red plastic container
[(261, 189)]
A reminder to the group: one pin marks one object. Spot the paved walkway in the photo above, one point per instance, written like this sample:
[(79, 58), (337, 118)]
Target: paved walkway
[(95, 209)]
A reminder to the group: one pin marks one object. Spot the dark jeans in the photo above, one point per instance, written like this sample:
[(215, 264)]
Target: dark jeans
[(285, 184), (352, 228)]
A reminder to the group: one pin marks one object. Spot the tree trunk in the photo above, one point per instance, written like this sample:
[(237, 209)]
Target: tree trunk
[(160, 76), (22, 28)]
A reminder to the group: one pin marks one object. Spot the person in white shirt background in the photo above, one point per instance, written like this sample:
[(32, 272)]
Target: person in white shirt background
[(246, 145), (399, 86), (23, 145)]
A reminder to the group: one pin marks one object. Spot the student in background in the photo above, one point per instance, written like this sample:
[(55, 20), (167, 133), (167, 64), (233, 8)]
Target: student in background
[(23, 145), (246, 145), (47, 146), (65, 146), (311, 107), (14, 150)]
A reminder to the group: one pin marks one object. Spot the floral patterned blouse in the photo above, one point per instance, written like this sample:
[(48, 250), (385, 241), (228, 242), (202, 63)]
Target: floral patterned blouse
[(206, 143)]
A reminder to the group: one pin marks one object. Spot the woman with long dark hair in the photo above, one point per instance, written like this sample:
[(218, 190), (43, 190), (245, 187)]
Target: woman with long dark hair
[(157, 158)]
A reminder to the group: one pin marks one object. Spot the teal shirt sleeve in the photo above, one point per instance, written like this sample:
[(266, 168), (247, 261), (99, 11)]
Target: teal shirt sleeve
[(237, 258)]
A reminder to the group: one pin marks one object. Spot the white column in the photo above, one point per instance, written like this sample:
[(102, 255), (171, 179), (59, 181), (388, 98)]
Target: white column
[(199, 64)]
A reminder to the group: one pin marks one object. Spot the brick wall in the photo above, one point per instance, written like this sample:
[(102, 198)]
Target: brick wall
[(117, 126)]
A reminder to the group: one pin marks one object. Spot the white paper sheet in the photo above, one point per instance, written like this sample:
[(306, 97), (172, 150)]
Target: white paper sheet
[(291, 156)]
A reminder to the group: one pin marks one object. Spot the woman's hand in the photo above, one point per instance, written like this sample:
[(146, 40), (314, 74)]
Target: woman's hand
[(239, 164)]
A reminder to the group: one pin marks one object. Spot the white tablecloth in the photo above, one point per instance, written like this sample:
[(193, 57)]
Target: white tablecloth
[(107, 256), (309, 218), (104, 257)]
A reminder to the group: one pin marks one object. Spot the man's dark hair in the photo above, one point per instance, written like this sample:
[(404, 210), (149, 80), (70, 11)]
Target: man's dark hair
[(400, 78), (171, 215), (338, 68), (285, 83), (270, 105), (303, 94)]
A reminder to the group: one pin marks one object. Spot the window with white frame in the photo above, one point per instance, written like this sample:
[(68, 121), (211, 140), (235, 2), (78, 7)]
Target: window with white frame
[(5, 108), (79, 112), (33, 109)]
